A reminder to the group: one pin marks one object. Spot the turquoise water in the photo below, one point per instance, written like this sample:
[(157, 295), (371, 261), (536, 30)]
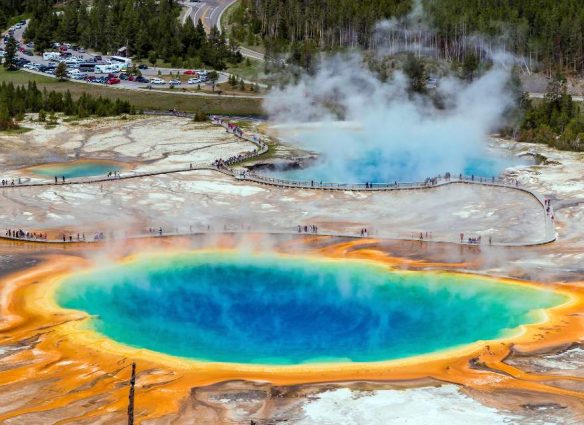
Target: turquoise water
[(376, 169), (77, 169), (281, 310)]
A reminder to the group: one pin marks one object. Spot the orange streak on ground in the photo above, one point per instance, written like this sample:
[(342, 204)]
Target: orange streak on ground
[(80, 363)]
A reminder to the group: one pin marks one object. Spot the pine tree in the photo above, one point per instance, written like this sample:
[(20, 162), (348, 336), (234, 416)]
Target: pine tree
[(10, 54), (61, 71)]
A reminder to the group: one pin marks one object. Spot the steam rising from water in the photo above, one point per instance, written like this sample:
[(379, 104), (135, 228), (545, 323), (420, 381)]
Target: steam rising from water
[(400, 137)]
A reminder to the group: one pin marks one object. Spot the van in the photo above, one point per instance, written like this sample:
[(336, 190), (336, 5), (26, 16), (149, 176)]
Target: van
[(48, 56), (103, 69)]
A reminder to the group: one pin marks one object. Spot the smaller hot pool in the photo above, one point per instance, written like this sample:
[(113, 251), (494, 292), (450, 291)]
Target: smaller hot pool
[(80, 168)]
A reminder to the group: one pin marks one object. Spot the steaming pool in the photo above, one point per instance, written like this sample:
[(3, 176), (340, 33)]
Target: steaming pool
[(349, 152), (280, 310), (81, 168)]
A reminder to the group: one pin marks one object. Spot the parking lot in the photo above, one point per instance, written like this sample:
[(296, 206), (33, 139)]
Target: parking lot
[(100, 69)]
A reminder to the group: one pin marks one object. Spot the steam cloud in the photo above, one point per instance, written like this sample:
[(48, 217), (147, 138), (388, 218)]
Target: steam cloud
[(391, 135)]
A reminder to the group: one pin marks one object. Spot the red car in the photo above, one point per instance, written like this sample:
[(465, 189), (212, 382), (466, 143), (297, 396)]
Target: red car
[(190, 72), (113, 81), (131, 78)]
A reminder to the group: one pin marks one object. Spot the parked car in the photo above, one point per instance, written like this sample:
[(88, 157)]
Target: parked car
[(157, 81), (175, 82), (189, 72), (112, 81), (123, 76), (90, 78), (132, 78), (141, 79), (98, 58), (142, 66), (194, 81)]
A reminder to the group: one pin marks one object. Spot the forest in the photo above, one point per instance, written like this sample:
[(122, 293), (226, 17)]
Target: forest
[(545, 32), (10, 9), (149, 29), (15, 101), (556, 120)]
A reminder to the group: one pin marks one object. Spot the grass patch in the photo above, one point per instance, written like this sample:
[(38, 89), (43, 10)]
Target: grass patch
[(16, 131), (270, 153), (143, 100), (249, 69)]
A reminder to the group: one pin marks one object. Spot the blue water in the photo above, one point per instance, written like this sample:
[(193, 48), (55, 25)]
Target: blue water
[(375, 169), (281, 310), (77, 169)]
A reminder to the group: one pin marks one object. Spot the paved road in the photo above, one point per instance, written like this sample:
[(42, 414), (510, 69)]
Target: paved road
[(542, 95), (210, 13)]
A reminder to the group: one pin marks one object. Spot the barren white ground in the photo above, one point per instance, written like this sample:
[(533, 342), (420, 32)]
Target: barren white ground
[(199, 199)]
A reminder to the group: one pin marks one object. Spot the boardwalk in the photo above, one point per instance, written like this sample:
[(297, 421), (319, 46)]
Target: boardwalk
[(229, 167)]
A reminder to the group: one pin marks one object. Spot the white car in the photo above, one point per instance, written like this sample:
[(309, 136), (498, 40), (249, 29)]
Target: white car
[(174, 82), (157, 81), (194, 81)]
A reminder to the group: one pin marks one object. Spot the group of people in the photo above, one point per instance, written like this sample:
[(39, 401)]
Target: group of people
[(57, 179), (154, 231), (234, 129), (6, 182), (39, 236), (364, 232), (114, 174), (98, 236), (548, 208), (474, 240), (21, 234), (225, 163), (310, 228)]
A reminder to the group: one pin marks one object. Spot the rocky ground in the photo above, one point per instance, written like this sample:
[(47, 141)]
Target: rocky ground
[(203, 198)]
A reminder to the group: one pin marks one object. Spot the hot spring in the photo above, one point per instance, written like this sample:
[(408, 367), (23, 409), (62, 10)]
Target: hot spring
[(281, 310), (351, 153), (82, 168)]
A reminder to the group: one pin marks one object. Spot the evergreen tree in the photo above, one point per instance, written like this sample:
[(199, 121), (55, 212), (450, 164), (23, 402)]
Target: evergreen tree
[(213, 77), (61, 71), (10, 54)]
